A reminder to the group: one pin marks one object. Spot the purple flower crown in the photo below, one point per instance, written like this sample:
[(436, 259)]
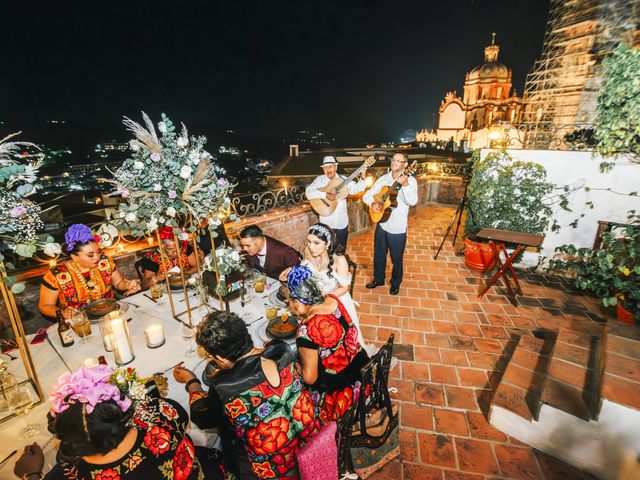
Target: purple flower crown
[(86, 385), (296, 276), (79, 233)]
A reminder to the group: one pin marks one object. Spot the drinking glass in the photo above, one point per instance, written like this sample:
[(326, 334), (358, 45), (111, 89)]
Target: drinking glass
[(248, 286), (156, 291), (188, 332), (259, 281), (80, 324), (20, 402)]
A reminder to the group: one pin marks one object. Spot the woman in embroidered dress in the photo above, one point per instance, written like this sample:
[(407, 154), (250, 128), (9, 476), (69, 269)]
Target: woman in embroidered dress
[(324, 256), (328, 346), (107, 435), (155, 270), (257, 399), (88, 276)]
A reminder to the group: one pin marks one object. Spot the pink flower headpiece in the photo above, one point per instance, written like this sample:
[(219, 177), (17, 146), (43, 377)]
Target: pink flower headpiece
[(86, 385)]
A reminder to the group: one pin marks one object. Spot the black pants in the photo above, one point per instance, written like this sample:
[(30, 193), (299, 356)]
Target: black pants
[(342, 235), (393, 243)]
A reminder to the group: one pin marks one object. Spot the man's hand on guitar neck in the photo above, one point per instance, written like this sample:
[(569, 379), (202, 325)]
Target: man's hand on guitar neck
[(403, 180)]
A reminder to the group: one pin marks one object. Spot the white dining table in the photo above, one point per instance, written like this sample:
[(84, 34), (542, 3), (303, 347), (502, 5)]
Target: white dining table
[(142, 312)]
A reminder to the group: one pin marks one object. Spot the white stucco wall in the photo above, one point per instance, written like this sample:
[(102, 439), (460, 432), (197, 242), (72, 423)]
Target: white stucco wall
[(452, 117), (583, 169)]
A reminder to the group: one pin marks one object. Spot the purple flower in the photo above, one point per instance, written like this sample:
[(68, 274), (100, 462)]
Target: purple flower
[(263, 410), (78, 233), (124, 193), (221, 181), (155, 157), (172, 194), (18, 211)]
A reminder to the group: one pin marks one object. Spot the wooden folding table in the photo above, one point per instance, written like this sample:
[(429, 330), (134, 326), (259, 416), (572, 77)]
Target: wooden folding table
[(520, 239)]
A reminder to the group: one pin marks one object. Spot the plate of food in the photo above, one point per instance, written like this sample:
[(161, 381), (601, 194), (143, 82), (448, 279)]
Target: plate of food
[(278, 298), (283, 327), (101, 307), (175, 281)]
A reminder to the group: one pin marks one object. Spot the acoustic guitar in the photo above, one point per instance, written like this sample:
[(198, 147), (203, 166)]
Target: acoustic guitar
[(339, 188), (388, 197)]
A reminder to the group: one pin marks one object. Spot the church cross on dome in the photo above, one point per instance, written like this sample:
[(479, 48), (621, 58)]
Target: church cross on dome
[(491, 51)]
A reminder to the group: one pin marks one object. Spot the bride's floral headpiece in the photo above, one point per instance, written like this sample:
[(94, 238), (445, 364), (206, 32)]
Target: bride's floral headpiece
[(95, 385), (296, 276)]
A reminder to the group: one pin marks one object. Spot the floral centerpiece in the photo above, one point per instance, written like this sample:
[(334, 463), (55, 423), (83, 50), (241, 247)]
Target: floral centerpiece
[(230, 267), (20, 217), (169, 180)]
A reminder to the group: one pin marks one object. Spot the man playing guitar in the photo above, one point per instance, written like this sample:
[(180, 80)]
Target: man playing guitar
[(391, 235), (338, 220)]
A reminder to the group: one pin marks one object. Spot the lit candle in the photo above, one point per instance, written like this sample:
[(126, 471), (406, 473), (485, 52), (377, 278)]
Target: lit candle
[(108, 342), (122, 349), (154, 335), (285, 188)]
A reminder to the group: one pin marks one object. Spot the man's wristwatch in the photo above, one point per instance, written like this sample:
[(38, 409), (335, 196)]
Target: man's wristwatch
[(193, 380)]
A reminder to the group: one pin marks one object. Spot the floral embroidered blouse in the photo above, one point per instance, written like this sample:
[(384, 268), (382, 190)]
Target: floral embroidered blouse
[(74, 291), (340, 358), (270, 422), (152, 261), (162, 450)]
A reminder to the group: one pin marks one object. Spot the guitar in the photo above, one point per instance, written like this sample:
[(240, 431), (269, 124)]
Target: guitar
[(339, 188), (388, 197)]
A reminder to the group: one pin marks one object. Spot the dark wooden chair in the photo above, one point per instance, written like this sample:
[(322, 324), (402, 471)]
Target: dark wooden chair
[(353, 268)]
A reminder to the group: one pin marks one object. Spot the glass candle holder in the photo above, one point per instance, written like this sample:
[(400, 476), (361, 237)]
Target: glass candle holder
[(154, 336), (122, 346)]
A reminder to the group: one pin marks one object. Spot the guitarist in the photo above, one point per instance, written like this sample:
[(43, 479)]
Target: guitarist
[(392, 235), (338, 221)]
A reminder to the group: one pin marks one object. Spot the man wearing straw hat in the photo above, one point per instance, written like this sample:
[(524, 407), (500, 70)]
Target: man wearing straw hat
[(338, 220)]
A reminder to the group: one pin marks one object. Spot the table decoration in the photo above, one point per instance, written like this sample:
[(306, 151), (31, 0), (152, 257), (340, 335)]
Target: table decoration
[(122, 346), (154, 336)]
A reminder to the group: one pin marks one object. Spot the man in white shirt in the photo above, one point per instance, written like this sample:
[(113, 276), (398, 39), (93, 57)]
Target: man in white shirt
[(392, 235), (338, 221)]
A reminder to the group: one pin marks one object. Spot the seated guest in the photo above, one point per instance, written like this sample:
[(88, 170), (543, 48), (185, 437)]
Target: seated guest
[(108, 433), (153, 267), (266, 253), (328, 346), (88, 276), (257, 397)]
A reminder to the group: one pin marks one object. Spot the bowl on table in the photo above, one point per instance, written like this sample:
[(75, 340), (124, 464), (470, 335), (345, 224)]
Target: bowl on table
[(282, 330), (101, 307), (278, 298), (175, 281)]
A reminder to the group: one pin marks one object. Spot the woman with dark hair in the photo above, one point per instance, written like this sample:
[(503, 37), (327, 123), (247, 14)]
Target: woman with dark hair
[(107, 433), (257, 394), (155, 267), (86, 277), (328, 346), (324, 256)]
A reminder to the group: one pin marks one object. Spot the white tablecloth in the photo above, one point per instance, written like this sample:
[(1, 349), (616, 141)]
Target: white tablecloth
[(143, 313)]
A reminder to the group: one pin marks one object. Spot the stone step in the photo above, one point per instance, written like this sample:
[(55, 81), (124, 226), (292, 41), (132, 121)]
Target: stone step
[(621, 380)]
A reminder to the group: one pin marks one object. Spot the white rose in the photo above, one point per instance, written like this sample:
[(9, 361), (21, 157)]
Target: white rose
[(235, 256), (52, 249), (185, 172), (138, 165), (182, 142), (171, 211), (131, 217), (162, 127), (157, 187), (152, 224)]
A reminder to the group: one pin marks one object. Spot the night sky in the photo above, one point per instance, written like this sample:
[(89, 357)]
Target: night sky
[(361, 70)]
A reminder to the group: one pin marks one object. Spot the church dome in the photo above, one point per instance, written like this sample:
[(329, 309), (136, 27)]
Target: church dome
[(491, 69)]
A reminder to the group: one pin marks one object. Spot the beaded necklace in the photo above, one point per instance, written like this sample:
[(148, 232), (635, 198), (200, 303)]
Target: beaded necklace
[(87, 286)]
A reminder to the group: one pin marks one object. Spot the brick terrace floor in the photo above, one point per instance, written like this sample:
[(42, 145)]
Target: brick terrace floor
[(448, 342)]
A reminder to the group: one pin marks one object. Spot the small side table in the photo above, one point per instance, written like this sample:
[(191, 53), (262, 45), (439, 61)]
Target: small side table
[(522, 240)]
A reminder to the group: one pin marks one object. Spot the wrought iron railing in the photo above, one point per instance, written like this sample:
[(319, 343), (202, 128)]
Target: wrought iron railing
[(550, 136), (261, 202)]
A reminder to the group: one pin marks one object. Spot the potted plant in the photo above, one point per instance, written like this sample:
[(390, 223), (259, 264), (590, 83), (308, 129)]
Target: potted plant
[(505, 194), (230, 268), (611, 272)]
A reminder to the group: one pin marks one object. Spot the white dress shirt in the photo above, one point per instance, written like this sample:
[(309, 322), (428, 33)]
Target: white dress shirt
[(339, 218), (407, 197)]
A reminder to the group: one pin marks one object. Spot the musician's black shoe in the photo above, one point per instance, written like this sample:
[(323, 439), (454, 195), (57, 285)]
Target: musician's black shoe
[(394, 290), (374, 284)]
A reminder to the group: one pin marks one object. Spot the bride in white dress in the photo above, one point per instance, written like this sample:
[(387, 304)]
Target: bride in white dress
[(325, 258)]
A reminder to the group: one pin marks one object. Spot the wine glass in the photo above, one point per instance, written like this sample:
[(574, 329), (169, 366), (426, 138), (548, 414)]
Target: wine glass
[(20, 402), (188, 332), (248, 286)]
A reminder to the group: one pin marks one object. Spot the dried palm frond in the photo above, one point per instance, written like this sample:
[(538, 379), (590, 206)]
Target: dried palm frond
[(145, 137), (9, 149), (184, 132), (199, 179)]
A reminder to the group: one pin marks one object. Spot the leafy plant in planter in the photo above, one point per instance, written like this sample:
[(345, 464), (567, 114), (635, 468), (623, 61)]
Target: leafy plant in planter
[(507, 195), (617, 127), (611, 272)]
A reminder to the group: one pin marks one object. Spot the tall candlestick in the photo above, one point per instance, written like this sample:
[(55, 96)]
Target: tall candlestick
[(122, 348)]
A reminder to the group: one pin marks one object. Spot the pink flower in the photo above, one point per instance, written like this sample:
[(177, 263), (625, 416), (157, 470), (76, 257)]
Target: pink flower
[(155, 157), (18, 211), (124, 193), (221, 181), (172, 194)]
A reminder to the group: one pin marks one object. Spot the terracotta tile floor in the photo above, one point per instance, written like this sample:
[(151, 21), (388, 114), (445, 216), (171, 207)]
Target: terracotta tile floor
[(448, 342)]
